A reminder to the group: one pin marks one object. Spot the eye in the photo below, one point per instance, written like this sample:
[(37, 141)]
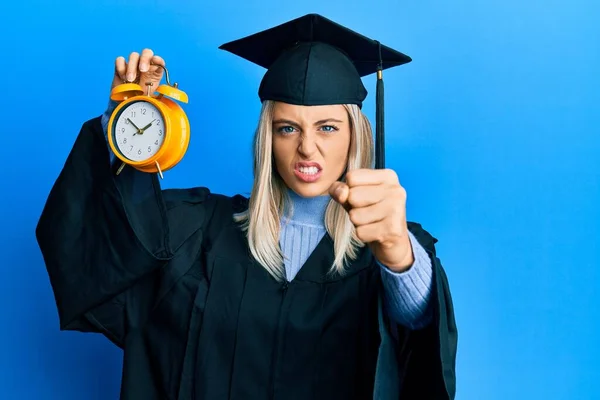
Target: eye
[(329, 128), (286, 130)]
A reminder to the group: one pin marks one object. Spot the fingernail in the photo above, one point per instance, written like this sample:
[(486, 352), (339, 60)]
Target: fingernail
[(143, 67), (130, 77), (338, 191)]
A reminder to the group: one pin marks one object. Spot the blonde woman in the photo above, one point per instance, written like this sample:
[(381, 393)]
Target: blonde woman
[(314, 287)]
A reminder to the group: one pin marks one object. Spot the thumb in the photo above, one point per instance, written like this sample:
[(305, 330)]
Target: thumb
[(339, 192)]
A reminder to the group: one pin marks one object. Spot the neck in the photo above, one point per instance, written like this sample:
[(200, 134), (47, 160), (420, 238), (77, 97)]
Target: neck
[(308, 210)]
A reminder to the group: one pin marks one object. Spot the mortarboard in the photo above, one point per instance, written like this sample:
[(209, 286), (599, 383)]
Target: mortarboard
[(312, 60)]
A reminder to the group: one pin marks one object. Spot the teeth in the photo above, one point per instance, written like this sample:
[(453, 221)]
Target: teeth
[(309, 170)]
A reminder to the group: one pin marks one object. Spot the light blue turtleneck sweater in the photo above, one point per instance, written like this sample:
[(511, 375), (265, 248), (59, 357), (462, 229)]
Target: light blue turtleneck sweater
[(406, 294)]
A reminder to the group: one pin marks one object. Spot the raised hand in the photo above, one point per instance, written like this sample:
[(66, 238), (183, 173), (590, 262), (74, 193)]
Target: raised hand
[(139, 68)]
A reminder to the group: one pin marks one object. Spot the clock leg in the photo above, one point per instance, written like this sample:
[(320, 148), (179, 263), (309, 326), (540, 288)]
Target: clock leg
[(120, 168), (159, 170)]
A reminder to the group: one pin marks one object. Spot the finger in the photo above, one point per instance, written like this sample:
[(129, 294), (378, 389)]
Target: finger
[(370, 233), (368, 215), (363, 196), (145, 58), (120, 67), (364, 177), (132, 66), (157, 60), (339, 192)]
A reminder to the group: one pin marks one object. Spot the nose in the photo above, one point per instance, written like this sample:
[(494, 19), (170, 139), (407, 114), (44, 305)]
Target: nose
[(307, 146)]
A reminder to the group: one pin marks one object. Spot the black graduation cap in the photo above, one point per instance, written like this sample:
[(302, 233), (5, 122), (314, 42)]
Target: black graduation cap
[(312, 60)]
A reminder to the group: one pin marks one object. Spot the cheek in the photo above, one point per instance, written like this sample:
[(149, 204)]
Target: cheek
[(337, 150), (277, 149), (282, 152)]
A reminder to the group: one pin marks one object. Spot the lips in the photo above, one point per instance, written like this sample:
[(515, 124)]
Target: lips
[(306, 164), (308, 171)]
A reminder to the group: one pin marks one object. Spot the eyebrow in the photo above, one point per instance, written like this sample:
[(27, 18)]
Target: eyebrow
[(320, 122)]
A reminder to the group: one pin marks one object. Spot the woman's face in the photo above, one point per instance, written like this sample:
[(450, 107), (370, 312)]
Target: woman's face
[(310, 146)]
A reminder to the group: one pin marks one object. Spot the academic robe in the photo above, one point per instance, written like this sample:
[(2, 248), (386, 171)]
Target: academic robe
[(167, 276)]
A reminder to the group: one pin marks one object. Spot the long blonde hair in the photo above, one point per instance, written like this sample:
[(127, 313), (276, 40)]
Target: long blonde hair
[(269, 198)]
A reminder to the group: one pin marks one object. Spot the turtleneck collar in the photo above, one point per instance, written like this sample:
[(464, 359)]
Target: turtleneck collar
[(308, 210)]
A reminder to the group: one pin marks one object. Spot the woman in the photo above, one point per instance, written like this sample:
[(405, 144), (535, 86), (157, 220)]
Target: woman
[(315, 287)]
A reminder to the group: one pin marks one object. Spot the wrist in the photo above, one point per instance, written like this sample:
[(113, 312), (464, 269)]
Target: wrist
[(405, 258)]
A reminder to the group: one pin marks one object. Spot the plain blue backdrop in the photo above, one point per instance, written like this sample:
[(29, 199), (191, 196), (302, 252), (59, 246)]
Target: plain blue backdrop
[(493, 130)]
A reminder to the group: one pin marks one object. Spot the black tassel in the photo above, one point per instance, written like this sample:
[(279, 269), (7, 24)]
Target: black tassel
[(379, 118)]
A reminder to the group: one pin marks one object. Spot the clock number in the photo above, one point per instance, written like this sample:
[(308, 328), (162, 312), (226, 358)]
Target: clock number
[(152, 114), (124, 140), (130, 148), (149, 149), (160, 132), (133, 114), (122, 129), (144, 111), (156, 142), (158, 122), (127, 122), (140, 151)]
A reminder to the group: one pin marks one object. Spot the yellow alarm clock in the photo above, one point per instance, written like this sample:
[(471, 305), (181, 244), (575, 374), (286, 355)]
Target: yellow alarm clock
[(149, 132)]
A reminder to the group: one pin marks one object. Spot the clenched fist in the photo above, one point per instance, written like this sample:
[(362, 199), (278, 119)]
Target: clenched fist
[(376, 204)]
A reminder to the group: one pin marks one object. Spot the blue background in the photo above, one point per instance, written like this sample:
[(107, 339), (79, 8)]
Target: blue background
[(493, 130)]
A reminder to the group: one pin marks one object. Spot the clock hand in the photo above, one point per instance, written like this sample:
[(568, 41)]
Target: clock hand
[(138, 129), (147, 126)]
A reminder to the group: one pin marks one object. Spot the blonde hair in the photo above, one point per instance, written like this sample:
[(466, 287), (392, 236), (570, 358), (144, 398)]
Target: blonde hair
[(269, 198)]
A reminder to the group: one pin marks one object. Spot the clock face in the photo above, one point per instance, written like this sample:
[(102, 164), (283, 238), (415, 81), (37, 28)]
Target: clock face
[(139, 131)]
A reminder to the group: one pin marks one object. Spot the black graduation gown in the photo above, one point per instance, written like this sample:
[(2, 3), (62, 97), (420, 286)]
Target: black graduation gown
[(167, 276)]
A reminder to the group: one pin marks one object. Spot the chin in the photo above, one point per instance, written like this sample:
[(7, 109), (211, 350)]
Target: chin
[(310, 190)]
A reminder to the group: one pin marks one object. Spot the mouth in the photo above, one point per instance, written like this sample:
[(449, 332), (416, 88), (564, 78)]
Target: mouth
[(308, 171)]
